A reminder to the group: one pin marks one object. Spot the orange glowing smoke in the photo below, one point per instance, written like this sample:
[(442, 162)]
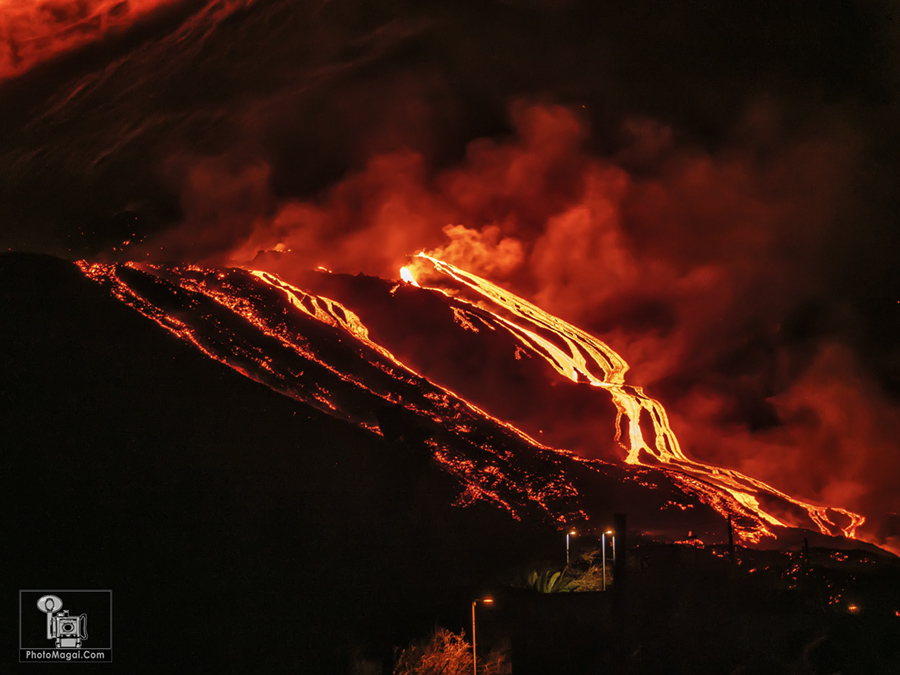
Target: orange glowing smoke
[(34, 31), (662, 263)]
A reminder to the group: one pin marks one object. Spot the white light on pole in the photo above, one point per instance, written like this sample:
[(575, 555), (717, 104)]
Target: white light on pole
[(486, 601), (570, 533), (603, 548)]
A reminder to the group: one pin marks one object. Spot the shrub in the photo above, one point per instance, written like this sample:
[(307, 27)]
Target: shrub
[(446, 653)]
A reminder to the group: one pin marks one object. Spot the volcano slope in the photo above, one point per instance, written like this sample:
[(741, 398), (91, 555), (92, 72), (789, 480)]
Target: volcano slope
[(237, 527), (269, 523), (537, 370)]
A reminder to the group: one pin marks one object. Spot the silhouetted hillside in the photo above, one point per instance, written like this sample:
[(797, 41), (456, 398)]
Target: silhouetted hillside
[(237, 528)]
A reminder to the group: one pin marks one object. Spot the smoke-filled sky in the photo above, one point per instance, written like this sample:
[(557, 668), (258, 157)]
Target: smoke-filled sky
[(709, 187)]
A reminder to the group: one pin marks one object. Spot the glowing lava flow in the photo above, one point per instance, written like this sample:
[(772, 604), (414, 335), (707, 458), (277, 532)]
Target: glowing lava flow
[(581, 357), (317, 351)]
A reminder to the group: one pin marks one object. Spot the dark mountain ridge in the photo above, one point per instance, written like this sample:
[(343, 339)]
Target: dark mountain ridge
[(236, 527)]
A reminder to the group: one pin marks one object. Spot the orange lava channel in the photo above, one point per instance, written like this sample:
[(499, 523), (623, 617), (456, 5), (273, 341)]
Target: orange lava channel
[(490, 470), (581, 357)]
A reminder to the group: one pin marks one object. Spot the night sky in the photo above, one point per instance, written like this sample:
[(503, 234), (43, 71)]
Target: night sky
[(708, 188)]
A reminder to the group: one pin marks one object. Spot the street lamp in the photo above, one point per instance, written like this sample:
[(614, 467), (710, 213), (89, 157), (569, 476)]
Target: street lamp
[(603, 548), (486, 601), (570, 533)]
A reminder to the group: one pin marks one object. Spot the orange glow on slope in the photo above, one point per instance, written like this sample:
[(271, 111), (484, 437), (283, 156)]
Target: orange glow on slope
[(583, 358), (33, 31), (315, 350)]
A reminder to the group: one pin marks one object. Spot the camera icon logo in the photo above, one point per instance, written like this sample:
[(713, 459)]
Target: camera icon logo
[(68, 631)]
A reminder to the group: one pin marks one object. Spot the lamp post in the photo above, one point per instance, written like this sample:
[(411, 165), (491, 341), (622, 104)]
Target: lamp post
[(603, 548), (570, 533), (486, 601)]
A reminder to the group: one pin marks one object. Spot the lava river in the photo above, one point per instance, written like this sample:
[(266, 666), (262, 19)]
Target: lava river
[(369, 370)]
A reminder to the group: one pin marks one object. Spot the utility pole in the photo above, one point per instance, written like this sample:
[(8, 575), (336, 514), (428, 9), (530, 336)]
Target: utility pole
[(731, 551), (486, 601), (620, 586), (603, 549)]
